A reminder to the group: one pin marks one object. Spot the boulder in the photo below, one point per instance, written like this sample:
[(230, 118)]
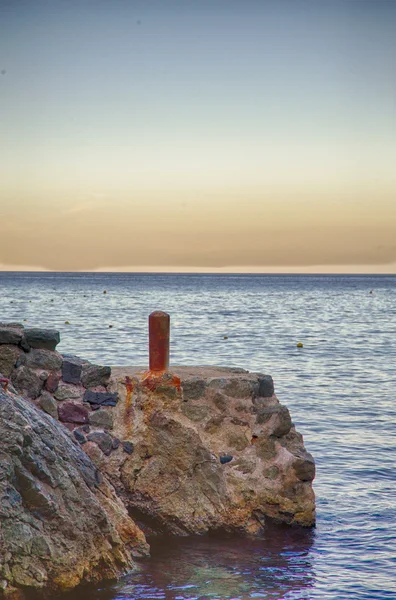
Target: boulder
[(47, 339), (60, 521), (223, 456)]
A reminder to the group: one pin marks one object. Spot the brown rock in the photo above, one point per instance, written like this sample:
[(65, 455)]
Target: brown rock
[(51, 385), (8, 357)]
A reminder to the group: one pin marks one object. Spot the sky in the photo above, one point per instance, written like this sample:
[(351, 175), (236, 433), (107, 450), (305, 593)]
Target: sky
[(163, 135)]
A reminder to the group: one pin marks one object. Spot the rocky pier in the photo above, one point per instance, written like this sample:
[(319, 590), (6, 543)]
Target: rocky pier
[(96, 457)]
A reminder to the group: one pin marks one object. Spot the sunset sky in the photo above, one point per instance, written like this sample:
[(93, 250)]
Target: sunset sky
[(198, 134)]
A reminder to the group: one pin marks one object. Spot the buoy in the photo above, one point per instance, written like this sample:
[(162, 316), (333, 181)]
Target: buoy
[(300, 345), (67, 323)]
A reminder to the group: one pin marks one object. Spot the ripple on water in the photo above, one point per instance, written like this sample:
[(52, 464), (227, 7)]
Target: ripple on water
[(340, 388)]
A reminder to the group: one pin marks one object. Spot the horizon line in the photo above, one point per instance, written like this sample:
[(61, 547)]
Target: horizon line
[(351, 269)]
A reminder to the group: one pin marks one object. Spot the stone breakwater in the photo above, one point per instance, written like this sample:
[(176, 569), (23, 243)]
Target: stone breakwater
[(188, 451)]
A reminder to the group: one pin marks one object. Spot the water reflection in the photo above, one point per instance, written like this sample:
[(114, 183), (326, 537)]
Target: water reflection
[(219, 567)]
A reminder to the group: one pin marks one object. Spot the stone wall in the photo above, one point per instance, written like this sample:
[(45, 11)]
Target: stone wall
[(70, 389)]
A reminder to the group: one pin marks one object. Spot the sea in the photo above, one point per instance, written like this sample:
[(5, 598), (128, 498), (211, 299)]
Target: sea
[(340, 388)]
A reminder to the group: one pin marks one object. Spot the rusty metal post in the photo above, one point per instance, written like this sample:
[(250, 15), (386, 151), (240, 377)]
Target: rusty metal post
[(159, 326)]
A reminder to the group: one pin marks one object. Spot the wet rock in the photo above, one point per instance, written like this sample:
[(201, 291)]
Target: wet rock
[(27, 382), (52, 382), (66, 391), (72, 413), (48, 404), (40, 358), (103, 440), (9, 356), (116, 443), (101, 398), (193, 388), (47, 339), (94, 375), (71, 370), (60, 522), (101, 418)]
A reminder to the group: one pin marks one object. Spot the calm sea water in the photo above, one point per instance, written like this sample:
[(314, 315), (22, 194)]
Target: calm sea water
[(340, 388)]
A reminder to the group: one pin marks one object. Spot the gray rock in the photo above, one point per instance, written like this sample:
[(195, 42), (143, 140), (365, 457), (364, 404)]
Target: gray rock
[(80, 437), (27, 382), (193, 388), (265, 448), (54, 514), (71, 370), (40, 358), (103, 440), (11, 334), (101, 418), (195, 413), (94, 375), (280, 419), (9, 356), (240, 387), (47, 339), (48, 404), (128, 447), (101, 398), (66, 391), (304, 466)]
